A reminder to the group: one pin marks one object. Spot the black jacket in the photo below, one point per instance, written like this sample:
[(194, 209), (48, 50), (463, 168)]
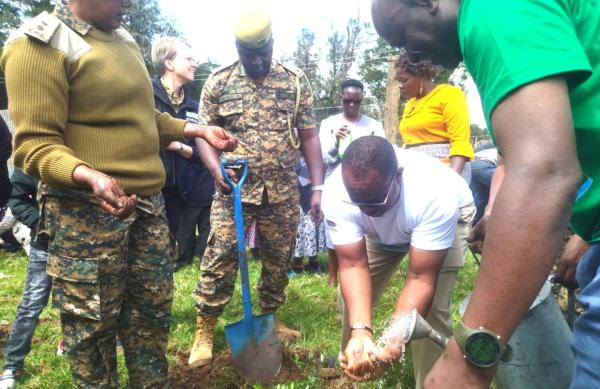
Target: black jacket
[(189, 176), (23, 204), (5, 151)]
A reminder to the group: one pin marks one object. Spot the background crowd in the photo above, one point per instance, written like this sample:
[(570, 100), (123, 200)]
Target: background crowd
[(149, 187)]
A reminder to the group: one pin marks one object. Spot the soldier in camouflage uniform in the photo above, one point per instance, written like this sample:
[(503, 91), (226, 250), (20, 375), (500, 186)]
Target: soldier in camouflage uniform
[(90, 132), (261, 101)]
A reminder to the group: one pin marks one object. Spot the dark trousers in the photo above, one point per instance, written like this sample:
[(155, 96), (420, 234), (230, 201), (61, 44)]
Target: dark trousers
[(193, 218), (174, 207), (482, 171)]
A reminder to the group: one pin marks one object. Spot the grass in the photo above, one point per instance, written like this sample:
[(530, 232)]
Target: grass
[(311, 307)]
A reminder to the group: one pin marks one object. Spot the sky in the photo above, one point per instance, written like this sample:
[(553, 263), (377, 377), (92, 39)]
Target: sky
[(207, 25)]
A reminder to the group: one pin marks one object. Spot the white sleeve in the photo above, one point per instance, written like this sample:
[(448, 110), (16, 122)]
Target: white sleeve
[(341, 218), (436, 231), (324, 138), (344, 231), (379, 130)]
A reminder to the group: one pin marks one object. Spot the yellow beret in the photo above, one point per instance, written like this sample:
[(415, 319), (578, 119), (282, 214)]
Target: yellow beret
[(253, 29)]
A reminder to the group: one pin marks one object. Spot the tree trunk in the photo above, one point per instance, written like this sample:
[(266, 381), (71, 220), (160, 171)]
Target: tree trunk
[(391, 117)]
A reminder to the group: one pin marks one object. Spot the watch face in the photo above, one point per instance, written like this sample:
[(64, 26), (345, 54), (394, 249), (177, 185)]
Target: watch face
[(482, 349)]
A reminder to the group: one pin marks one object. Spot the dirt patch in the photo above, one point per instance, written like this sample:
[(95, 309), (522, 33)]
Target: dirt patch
[(4, 332), (297, 365)]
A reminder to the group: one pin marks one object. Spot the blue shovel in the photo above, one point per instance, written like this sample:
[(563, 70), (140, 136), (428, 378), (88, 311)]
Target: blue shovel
[(255, 346)]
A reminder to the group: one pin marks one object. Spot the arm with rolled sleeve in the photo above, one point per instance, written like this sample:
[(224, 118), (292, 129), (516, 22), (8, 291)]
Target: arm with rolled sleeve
[(456, 117)]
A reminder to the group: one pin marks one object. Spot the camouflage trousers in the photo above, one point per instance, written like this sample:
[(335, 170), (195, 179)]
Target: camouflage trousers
[(111, 277), (276, 227)]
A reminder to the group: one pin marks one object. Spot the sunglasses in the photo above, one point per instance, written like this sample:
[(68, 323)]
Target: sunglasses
[(376, 204), (350, 101)]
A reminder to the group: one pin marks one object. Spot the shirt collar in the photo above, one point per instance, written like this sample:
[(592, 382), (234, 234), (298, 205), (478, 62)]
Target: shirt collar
[(272, 71), (173, 98), (63, 12)]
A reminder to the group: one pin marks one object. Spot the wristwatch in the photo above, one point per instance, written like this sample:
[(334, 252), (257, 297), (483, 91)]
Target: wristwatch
[(480, 346)]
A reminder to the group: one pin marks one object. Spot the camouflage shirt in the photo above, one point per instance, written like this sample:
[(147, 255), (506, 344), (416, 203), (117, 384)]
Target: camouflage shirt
[(260, 117)]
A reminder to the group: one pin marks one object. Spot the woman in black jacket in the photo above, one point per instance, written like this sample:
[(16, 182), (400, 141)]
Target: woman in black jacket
[(189, 187)]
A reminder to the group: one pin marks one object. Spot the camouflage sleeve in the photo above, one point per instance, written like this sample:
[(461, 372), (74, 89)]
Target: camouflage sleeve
[(208, 112), (306, 111)]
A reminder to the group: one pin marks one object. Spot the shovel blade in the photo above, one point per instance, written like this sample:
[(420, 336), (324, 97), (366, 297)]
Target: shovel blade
[(255, 348)]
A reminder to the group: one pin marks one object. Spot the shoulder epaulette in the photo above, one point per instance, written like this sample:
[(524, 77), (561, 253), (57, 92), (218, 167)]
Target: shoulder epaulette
[(42, 27), (291, 68), (48, 29), (124, 35)]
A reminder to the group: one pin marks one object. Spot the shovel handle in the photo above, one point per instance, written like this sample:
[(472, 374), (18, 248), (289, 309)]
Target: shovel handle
[(240, 233), (235, 164)]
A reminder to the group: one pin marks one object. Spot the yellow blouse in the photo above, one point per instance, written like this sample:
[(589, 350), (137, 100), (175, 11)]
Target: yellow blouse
[(440, 116)]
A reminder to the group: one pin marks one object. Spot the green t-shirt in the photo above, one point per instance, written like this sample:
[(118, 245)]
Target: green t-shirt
[(510, 43)]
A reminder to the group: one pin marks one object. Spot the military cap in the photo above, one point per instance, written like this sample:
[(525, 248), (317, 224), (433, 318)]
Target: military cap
[(253, 29)]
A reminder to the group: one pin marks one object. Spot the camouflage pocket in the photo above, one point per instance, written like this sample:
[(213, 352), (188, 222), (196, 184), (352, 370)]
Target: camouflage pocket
[(230, 111), (75, 286)]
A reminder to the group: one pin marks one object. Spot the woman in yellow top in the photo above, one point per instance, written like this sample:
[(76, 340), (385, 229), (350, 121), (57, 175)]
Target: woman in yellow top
[(436, 122), (436, 118)]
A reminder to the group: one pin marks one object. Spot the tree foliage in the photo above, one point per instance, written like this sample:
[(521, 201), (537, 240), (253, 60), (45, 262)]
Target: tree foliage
[(373, 72), (12, 12), (306, 58), (145, 22), (341, 56), (202, 71)]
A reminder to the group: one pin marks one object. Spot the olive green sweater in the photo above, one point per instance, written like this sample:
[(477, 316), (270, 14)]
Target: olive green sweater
[(84, 97)]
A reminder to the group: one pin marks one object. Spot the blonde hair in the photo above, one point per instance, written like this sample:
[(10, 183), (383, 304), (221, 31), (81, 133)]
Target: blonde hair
[(165, 48)]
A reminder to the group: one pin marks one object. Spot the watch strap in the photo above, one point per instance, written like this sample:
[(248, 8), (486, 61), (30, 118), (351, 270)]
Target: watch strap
[(361, 326), (462, 333)]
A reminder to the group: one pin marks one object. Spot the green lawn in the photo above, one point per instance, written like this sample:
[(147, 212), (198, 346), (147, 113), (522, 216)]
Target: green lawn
[(311, 307)]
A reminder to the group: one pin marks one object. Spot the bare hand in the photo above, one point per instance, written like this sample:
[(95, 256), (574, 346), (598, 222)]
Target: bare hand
[(341, 133), (220, 182), (363, 360), (452, 371), (333, 281), (220, 139), (356, 360), (477, 235), (569, 259), (108, 192), (174, 146), (315, 208)]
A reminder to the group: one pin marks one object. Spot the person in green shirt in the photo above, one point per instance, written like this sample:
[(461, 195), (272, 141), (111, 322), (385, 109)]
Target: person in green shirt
[(537, 68)]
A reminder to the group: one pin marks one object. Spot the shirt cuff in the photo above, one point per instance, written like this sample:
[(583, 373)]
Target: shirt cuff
[(462, 148)]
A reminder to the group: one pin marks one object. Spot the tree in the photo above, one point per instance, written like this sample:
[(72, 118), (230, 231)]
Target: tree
[(306, 59), (33, 7), (202, 72), (340, 56), (12, 13), (145, 21), (373, 72), (9, 19)]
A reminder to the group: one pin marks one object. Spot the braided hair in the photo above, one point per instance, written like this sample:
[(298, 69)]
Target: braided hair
[(423, 68)]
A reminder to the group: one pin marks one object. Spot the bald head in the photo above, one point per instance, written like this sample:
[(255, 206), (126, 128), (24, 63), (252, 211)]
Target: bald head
[(420, 25)]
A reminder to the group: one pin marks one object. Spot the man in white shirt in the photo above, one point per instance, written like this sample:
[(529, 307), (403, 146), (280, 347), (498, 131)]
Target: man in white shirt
[(349, 124), (336, 133), (382, 203)]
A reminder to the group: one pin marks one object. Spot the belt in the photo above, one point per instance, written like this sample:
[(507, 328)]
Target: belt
[(425, 143)]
